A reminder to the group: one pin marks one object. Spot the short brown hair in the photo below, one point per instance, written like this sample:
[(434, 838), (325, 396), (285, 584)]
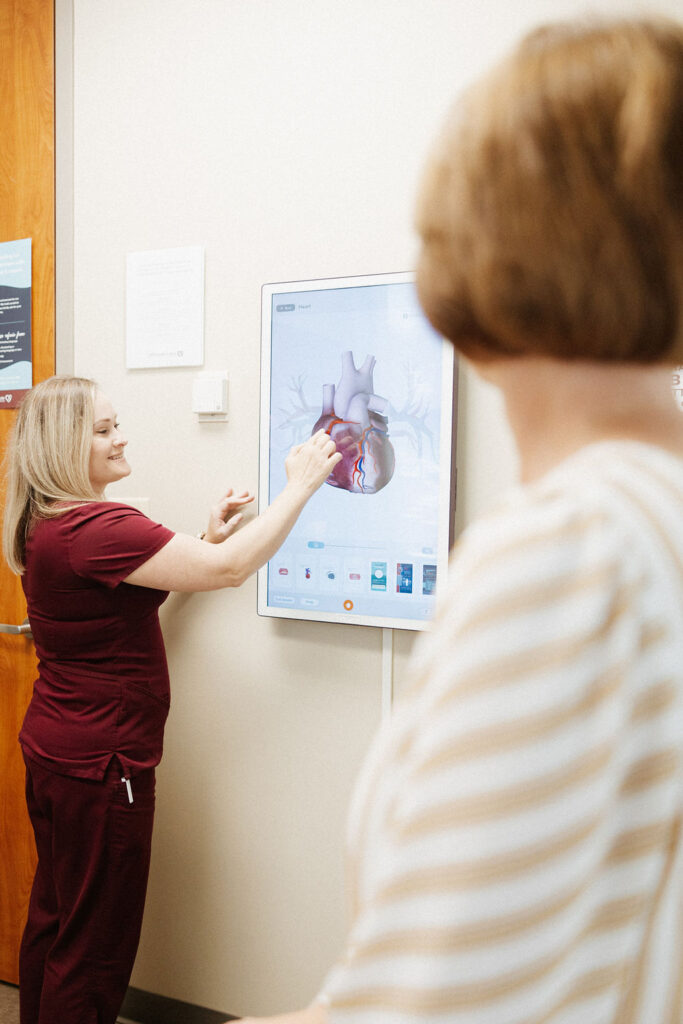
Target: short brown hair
[(551, 213)]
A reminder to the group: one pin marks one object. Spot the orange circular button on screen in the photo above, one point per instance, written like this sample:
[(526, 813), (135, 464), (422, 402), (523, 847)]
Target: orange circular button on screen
[(348, 605)]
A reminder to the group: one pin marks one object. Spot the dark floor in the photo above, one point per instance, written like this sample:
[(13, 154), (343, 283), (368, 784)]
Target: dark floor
[(138, 1008), (9, 1005)]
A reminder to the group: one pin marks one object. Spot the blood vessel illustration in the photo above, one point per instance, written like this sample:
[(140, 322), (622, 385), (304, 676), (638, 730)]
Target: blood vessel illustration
[(352, 415)]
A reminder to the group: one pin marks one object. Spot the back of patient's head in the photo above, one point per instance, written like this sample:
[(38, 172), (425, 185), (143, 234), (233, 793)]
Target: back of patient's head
[(551, 213)]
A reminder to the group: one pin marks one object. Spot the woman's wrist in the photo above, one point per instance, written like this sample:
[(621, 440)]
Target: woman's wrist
[(299, 492)]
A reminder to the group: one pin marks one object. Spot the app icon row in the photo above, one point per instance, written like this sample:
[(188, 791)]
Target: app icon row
[(353, 575)]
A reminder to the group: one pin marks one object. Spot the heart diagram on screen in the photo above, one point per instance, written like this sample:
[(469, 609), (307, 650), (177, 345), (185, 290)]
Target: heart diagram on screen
[(352, 415)]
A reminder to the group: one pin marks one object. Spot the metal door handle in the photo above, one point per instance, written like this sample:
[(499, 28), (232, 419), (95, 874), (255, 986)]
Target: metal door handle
[(25, 628)]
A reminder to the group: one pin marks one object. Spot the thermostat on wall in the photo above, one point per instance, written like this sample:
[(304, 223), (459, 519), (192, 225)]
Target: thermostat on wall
[(210, 396)]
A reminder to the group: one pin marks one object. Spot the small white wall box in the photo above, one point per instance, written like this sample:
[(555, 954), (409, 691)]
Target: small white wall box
[(210, 396)]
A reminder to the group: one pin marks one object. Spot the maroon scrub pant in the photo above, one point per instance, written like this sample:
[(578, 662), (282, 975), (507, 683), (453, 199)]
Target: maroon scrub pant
[(88, 895)]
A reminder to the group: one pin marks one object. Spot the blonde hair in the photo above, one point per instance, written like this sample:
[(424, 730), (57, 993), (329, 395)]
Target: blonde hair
[(551, 212), (47, 459)]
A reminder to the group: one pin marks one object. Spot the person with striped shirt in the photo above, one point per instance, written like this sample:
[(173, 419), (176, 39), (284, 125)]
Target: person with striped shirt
[(515, 846)]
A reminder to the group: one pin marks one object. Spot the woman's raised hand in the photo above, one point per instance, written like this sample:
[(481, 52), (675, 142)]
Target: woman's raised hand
[(185, 565), (224, 516), (309, 464)]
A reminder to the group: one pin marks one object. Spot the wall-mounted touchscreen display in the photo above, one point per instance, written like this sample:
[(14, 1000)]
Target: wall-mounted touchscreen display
[(357, 357)]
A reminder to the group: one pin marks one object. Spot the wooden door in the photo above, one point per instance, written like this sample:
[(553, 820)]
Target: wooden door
[(27, 210)]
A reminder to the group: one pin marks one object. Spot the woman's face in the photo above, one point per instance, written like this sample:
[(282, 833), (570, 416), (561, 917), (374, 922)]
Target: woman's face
[(107, 459)]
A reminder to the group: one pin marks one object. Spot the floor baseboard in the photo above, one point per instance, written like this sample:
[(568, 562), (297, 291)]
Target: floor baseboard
[(140, 1007)]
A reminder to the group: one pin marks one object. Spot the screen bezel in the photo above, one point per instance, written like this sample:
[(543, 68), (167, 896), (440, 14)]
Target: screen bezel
[(447, 462)]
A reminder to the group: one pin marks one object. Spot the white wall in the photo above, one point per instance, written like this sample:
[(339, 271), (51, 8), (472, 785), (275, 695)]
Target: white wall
[(288, 139)]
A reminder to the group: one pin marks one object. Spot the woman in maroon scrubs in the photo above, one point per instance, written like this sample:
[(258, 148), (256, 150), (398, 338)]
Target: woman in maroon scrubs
[(95, 573)]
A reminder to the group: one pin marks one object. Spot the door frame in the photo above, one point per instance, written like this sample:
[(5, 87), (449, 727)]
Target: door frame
[(64, 186)]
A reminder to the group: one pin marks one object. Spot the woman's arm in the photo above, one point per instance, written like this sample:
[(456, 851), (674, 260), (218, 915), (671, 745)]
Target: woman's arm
[(189, 564)]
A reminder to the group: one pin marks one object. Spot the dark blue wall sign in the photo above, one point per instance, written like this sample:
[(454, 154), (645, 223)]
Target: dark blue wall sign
[(16, 368)]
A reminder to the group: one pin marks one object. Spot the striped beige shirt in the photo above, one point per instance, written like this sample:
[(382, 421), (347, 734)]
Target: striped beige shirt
[(515, 844)]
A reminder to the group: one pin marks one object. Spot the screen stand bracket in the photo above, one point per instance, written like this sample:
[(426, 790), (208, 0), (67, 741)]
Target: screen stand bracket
[(387, 671)]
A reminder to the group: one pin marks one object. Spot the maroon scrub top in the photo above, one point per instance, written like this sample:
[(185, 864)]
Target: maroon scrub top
[(103, 686)]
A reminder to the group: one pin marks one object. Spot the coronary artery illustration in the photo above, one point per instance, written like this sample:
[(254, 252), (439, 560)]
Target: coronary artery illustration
[(352, 415)]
